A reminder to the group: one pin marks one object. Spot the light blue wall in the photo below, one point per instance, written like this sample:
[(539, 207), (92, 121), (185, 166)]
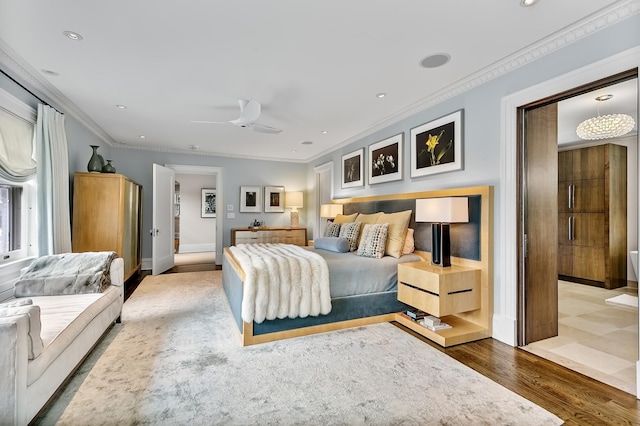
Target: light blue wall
[(137, 165)]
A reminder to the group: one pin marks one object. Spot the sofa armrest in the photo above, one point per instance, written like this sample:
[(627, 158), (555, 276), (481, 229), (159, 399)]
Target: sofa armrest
[(13, 368), (116, 272)]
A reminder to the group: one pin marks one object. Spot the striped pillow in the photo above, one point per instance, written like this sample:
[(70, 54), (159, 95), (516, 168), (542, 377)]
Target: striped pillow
[(374, 240), (350, 231)]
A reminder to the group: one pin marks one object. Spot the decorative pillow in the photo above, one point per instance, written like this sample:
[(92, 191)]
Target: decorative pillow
[(34, 341), (409, 243), (340, 219), (374, 239), (350, 231), (367, 218), (332, 230), (398, 224), (339, 245)]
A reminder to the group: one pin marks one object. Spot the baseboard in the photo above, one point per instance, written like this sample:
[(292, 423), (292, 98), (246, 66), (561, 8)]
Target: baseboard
[(196, 248), (504, 330)]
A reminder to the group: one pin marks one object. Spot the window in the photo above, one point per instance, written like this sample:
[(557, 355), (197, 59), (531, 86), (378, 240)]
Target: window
[(18, 236)]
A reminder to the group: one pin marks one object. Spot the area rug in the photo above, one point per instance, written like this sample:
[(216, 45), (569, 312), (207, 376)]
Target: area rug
[(177, 360), (624, 300)]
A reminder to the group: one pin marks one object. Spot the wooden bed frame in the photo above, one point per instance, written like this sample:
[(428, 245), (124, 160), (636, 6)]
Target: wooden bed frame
[(477, 324)]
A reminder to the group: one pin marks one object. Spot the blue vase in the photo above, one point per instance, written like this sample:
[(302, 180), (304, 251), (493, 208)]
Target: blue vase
[(95, 164)]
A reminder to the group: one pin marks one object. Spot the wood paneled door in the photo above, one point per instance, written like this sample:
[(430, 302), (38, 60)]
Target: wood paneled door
[(539, 224)]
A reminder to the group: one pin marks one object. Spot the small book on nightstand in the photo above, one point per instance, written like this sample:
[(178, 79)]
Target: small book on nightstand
[(441, 326)]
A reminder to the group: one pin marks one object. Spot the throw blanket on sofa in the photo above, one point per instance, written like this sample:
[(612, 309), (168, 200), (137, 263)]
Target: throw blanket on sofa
[(282, 280), (68, 273)]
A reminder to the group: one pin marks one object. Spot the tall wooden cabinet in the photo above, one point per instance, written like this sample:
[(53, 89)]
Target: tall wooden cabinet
[(592, 215), (107, 216)]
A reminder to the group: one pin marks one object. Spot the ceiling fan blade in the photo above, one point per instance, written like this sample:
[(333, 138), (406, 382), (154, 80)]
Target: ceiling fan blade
[(249, 111), (262, 128)]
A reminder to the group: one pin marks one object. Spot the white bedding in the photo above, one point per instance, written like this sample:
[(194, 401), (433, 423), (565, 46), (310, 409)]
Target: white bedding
[(282, 280)]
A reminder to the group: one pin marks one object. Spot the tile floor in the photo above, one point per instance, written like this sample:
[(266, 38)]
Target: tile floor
[(595, 338)]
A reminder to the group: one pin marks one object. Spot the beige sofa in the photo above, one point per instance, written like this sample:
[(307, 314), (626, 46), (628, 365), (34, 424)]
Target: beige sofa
[(32, 368)]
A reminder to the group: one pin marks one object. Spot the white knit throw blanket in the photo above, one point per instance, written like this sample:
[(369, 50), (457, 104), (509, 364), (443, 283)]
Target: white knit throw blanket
[(282, 280)]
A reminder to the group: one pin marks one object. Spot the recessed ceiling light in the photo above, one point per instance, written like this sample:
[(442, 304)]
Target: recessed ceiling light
[(380, 95), (49, 72), (293, 151), (306, 143), (72, 36), (142, 136), (526, 3), (435, 61), (194, 147), (121, 106), (604, 97), (324, 132)]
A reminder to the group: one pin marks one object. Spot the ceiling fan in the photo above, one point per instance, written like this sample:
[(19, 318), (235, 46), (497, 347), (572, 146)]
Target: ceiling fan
[(249, 113)]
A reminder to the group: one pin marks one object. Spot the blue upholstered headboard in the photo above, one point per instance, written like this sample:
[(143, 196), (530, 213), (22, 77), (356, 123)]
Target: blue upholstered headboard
[(465, 237)]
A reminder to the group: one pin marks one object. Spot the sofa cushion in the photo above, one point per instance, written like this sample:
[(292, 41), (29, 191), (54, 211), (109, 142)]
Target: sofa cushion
[(34, 341), (64, 318)]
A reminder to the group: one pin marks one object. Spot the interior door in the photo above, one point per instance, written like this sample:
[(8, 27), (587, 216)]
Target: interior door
[(539, 224), (162, 233)]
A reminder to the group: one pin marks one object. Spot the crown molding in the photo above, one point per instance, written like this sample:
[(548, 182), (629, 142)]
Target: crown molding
[(598, 21), (22, 71), (206, 153)]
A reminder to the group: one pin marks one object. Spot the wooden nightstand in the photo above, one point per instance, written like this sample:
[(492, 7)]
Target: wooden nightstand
[(444, 293)]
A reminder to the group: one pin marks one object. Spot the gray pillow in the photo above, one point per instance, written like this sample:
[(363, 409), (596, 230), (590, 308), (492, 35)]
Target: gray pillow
[(339, 245), (332, 230)]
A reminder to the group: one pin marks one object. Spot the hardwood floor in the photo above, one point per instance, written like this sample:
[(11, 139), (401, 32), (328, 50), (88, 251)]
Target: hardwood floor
[(576, 399)]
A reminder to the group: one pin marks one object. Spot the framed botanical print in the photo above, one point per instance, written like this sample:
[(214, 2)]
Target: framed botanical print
[(436, 146), (352, 170), (385, 160), (208, 203), (274, 199), (250, 200)]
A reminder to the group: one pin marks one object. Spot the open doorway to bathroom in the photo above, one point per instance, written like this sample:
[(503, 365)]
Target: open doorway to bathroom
[(597, 317)]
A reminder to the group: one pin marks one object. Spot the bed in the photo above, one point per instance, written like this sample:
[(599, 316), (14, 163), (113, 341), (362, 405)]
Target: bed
[(355, 299)]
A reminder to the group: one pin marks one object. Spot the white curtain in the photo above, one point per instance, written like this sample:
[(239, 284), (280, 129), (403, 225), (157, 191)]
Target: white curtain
[(16, 147), (54, 234)]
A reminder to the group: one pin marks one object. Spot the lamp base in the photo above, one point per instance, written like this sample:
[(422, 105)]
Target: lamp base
[(440, 245), (295, 219)]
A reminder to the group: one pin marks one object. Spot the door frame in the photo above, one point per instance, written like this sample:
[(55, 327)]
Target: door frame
[(217, 172), (505, 322), (318, 172)]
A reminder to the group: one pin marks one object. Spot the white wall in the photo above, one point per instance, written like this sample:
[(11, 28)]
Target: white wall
[(197, 234)]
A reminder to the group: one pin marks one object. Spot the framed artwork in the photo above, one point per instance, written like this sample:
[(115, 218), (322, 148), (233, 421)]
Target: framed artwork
[(352, 170), (250, 199), (436, 146), (274, 199), (208, 203), (385, 160)]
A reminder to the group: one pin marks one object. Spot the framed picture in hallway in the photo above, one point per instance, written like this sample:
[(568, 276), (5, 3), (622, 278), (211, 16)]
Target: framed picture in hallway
[(208, 203), (250, 199)]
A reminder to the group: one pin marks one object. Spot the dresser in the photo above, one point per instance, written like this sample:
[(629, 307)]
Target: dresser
[(297, 236), (107, 214), (592, 215)]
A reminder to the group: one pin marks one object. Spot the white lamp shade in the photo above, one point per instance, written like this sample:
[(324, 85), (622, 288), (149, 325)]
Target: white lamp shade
[(293, 199), (330, 210), (444, 210)]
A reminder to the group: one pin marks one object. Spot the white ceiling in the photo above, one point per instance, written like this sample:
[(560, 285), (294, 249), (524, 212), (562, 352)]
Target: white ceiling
[(314, 66)]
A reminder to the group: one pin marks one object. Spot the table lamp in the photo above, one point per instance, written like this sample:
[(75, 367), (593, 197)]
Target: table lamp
[(441, 212), (330, 211), (293, 201)]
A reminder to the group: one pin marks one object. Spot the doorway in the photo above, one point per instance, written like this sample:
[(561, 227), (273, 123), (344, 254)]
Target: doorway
[(594, 338), (196, 249)]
